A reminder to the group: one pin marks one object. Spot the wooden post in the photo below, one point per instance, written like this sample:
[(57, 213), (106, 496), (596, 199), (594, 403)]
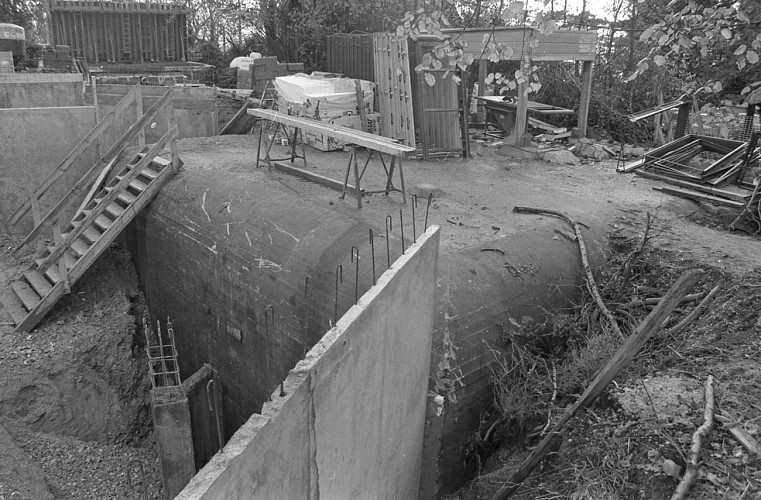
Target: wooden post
[(521, 116), (94, 83), (62, 269), (139, 109), (140, 36), (682, 119), (586, 92), (483, 68), (361, 105), (171, 124), (35, 209)]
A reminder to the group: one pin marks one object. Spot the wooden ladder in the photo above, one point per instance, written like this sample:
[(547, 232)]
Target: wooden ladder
[(91, 231)]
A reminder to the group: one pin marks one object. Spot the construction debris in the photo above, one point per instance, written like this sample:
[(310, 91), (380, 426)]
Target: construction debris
[(708, 169)]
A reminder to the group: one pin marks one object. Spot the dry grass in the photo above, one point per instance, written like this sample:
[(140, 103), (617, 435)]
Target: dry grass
[(609, 455)]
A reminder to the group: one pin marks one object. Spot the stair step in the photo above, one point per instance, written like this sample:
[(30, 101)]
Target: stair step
[(150, 173), (125, 197), (92, 234), (159, 161), (53, 274), (12, 304), (70, 259), (28, 297), (135, 184), (103, 222), (38, 282), (115, 209), (80, 246)]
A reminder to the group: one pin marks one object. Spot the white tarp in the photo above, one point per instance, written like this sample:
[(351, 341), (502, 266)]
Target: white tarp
[(328, 97)]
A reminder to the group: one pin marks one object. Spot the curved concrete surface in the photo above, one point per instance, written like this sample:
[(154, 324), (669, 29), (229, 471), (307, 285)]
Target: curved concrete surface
[(214, 251)]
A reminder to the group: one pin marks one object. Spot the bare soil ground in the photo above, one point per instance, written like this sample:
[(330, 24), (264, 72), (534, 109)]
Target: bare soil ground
[(75, 402)]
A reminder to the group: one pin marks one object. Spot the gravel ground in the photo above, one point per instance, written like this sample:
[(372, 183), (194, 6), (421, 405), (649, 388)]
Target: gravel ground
[(76, 469)]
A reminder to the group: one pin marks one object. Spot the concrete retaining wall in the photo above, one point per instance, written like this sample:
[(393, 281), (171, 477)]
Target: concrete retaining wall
[(349, 422), (41, 90), (194, 107), (33, 141)]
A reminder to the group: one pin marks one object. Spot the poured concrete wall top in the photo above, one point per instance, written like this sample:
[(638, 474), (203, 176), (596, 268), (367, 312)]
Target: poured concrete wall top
[(41, 90), (194, 108), (349, 423), (33, 142)]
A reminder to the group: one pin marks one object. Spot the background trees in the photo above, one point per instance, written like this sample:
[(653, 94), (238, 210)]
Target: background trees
[(648, 50)]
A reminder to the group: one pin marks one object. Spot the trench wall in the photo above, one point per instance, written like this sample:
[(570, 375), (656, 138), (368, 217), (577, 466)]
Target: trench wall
[(194, 107), (41, 90), (222, 249), (33, 141), (349, 422)]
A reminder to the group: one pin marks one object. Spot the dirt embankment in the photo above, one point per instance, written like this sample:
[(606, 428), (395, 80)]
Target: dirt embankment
[(75, 394)]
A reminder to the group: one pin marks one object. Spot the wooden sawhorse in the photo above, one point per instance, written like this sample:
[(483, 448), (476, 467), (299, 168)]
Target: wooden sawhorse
[(353, 138)]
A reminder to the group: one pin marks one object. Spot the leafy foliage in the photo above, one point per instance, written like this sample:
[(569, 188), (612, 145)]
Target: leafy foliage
[(705, 42)]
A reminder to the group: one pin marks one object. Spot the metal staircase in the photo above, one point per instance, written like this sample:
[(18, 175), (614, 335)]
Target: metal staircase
[(109, 206)]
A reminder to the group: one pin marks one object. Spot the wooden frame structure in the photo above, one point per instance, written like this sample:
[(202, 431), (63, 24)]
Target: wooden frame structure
[(561, 45), (352, 138), (126, 31)]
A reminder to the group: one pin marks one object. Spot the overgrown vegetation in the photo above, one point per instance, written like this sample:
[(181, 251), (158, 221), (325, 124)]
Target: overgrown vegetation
[(607, 452)]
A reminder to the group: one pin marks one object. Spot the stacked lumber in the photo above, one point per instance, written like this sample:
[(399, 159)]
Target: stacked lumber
[(548, 132)]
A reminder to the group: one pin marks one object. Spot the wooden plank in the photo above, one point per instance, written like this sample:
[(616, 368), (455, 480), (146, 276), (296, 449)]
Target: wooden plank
[(183, 103), (115, 209), (547, 127), (560, 45), (80, 246), (311, 176), (103, 222), (92, 234), (336, 131), (34, 316), (95, 186), (23, 291), (241, 123), (38, 282), (691, 185), (12, 305), (691, 195)]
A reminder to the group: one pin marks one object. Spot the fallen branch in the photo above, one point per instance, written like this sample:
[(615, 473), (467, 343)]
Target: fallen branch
[(695, 312), (697, 439), (620, 359), (633, 256), (592, 284), (741, 435)]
